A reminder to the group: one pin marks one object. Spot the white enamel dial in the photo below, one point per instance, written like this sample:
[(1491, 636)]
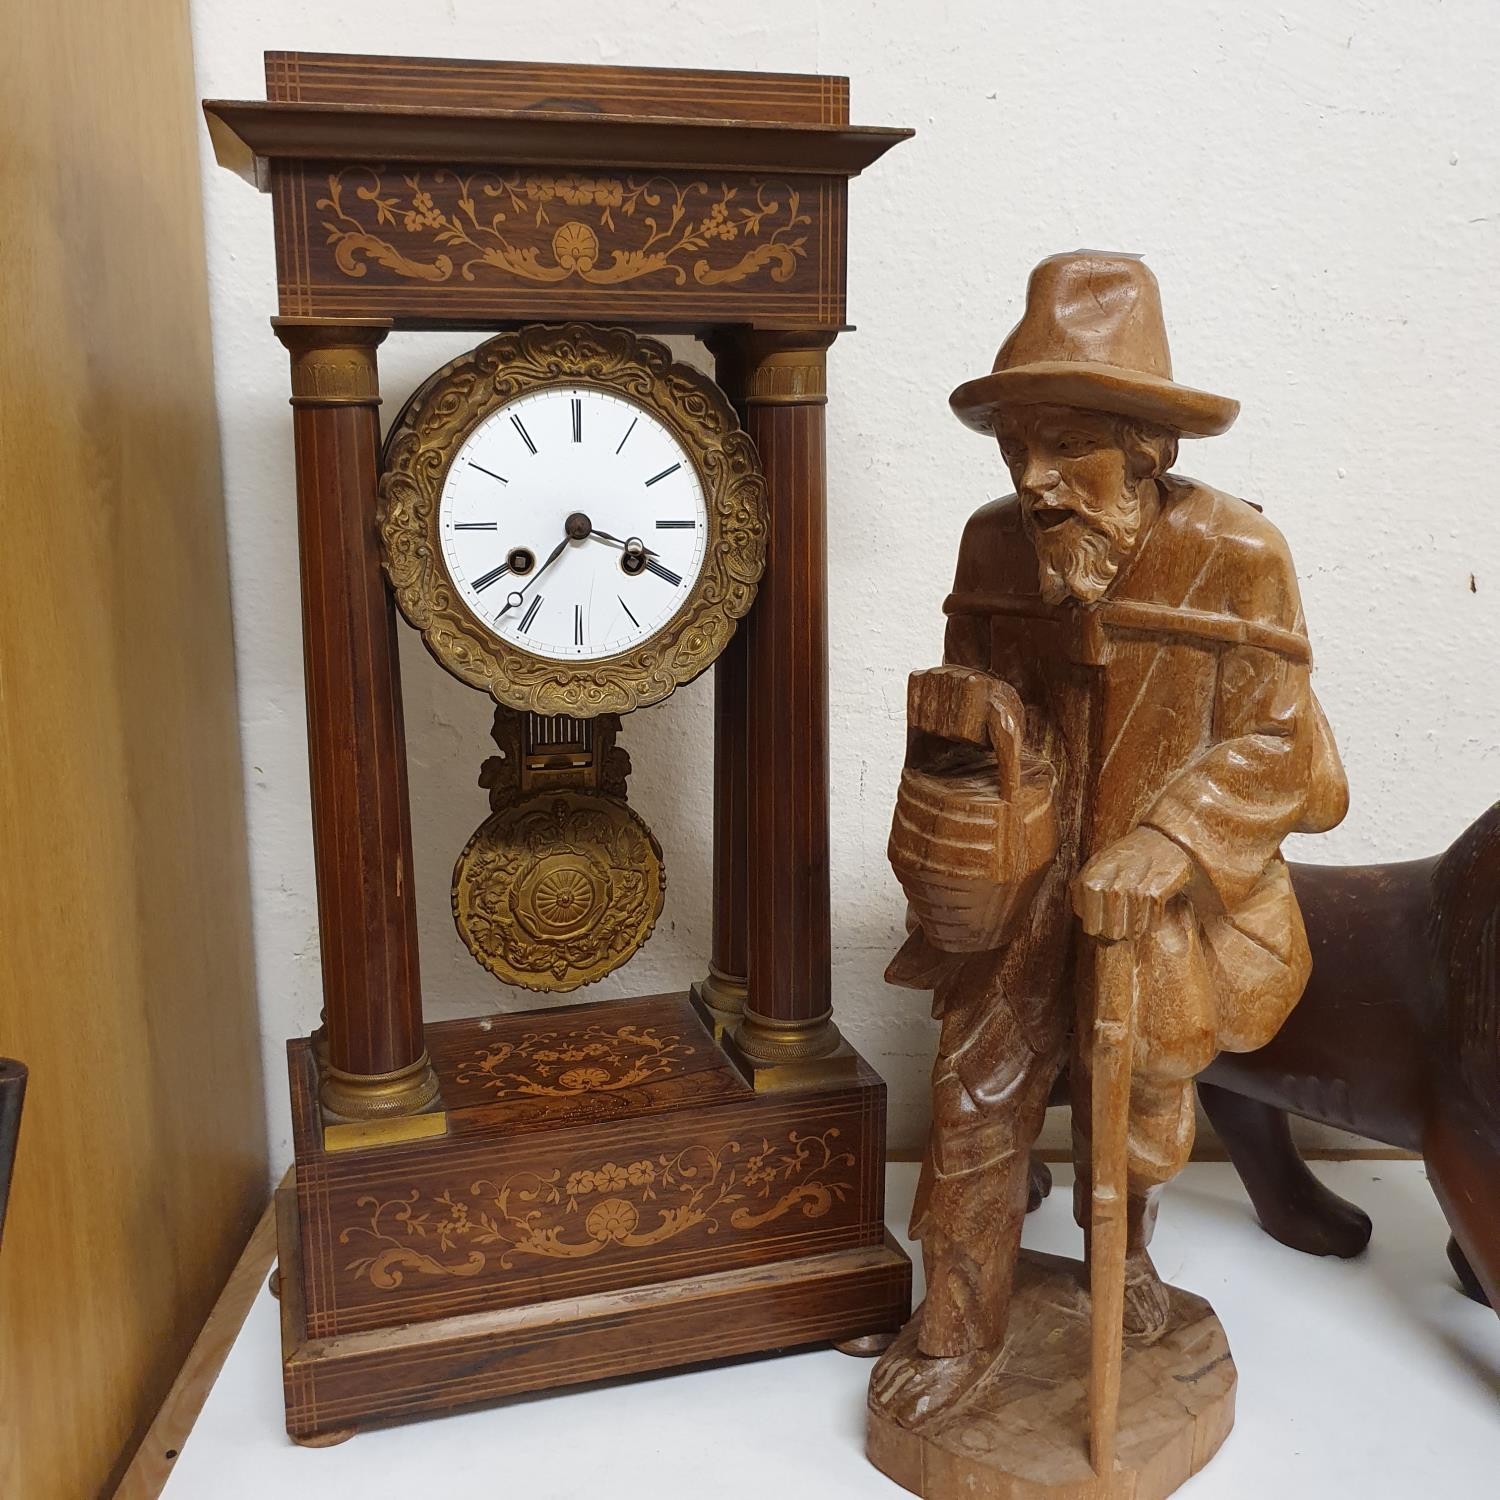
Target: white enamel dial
[(573, 523)]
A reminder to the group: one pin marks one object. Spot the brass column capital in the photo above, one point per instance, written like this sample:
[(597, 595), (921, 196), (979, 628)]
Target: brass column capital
[(777, 368), (333, 362)]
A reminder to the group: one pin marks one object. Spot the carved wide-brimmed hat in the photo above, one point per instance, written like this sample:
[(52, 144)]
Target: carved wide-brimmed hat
[(1092, 336)]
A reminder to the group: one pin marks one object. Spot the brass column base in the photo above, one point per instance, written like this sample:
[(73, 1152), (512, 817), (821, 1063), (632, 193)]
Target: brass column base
[(776, 1054), (362, 1109), (719, 1000)]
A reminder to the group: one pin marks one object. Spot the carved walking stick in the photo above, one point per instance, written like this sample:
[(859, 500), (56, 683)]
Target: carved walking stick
[(1113, 1032)]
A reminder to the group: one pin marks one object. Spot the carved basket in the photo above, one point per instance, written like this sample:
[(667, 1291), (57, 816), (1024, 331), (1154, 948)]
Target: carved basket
[(972, 835)]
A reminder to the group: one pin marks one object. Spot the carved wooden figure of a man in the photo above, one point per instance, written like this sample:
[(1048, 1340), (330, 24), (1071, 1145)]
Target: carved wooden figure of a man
[(1138, 639)]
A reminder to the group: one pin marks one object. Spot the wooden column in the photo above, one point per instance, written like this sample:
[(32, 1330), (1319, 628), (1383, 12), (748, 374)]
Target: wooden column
[(720, 996), (786, 1034), (377, 1066)]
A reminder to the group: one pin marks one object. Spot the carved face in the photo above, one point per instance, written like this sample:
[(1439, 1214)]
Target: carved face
[(1080, 487)]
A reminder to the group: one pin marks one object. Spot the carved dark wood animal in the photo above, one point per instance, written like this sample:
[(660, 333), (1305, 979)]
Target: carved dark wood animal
[(1397, 1037)]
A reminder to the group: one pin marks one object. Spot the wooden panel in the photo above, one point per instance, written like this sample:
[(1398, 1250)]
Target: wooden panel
[(578, 1064), (335, 1385), (125, 961), (604, 1146), (469, 83), (473, 245)]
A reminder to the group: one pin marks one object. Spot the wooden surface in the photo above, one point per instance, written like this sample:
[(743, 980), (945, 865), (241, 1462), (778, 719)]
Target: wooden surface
[(125, 960), (477, 83), (1015, 1425), (159, 1450), (601, 1159)]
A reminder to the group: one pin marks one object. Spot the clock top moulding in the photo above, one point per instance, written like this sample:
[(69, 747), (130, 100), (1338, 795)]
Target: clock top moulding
[(547, 191), (413, 193)]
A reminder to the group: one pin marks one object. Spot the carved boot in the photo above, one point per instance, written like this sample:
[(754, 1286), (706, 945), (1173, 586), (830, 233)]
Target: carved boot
[(1146, 1304)]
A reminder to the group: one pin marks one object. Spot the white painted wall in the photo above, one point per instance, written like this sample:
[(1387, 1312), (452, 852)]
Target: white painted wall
[(1316, 184)]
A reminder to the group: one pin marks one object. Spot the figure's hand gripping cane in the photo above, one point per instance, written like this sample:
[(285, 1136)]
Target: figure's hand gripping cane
[(1112, 1044)]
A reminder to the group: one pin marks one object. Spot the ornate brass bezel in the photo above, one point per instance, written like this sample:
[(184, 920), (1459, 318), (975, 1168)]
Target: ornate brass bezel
[(446, 409)]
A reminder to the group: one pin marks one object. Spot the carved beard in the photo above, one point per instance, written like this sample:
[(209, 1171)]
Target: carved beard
[(1079, 558)]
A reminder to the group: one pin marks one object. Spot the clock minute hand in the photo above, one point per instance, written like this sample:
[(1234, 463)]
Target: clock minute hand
[(520, 593)]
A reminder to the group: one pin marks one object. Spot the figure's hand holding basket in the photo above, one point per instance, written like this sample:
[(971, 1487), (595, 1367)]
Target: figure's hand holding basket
[(974, 828)]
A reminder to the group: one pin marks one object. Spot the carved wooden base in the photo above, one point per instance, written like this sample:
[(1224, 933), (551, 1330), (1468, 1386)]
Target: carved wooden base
[(1012, 1424), (611, 1197)]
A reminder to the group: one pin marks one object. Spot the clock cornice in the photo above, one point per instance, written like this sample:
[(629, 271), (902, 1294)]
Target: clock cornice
[(249, 134), (449, 193)]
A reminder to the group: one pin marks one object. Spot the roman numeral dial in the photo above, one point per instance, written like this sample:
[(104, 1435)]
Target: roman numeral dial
[(572, 520), (572, 523)]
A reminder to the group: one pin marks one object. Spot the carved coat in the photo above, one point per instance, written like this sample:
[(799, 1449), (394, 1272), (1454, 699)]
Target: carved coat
[(1181, 701)]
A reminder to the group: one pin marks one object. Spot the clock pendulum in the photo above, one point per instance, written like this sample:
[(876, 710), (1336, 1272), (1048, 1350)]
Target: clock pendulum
[(562, 883), (577, 524)]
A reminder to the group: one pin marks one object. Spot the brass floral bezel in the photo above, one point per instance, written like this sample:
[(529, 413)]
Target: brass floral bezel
[(446, 409)]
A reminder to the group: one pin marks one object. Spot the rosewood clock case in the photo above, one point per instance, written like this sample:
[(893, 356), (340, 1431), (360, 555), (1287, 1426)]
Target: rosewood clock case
[(513, 1202)]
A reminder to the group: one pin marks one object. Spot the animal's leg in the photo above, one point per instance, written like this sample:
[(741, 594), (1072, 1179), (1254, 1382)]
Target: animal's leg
[(1462, 1149), (1467, 1280), (1039, 1185), (1292, 1205)]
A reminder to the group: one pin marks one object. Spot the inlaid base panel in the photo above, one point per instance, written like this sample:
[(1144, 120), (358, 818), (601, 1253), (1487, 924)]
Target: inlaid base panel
[(610, 1196)]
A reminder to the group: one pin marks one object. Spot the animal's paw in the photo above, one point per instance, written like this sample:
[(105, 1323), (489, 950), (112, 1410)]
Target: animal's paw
[(1465, 1273), (1317, 1221)]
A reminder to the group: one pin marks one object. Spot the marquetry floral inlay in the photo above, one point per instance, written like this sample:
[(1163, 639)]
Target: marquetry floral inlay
[(535, 227), (558, 1064), (627, 1204)]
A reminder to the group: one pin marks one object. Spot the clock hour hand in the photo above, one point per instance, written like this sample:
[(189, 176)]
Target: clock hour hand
[(515, 598), (614, 541)]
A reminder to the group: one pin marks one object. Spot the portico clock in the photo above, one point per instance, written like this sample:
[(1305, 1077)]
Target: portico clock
[(577, 523)]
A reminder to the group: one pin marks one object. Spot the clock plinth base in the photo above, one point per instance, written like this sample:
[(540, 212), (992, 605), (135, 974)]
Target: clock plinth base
[(1012, 1423), (611, 1197)]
